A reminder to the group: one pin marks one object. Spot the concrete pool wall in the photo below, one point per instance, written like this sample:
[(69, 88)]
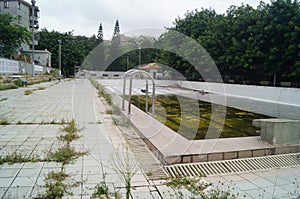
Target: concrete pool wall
[(272, 101), (170, 148)]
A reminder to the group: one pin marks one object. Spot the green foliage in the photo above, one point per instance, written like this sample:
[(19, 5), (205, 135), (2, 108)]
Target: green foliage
[(245, 43), (65, 154), (74, 48), (11, 35), (71, 133), (105, 95), (4, 121), (71, 127), (17, 158), (101, 189), (18, 83), (7, 86), (197, 188), (125, 166), (56, 185)]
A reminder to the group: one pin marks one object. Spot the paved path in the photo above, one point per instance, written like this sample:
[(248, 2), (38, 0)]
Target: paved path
[(32, 133), (36, 136)]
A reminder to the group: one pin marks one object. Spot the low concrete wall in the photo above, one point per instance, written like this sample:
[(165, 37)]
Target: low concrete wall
[(279, 131)]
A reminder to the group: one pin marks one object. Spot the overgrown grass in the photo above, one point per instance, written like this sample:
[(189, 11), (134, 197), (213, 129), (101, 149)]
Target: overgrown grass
[(105, 95), (41, 88), (28, 92), (7, 86), (4, 121), (196, 188), (71, 133), (17, 158), (65, 154), (101, 189), (56, 185), (55, 182), (3, 99), (53, 122), (101, 91)]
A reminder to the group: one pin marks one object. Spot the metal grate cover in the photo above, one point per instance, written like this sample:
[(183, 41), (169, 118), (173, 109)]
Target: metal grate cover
[(233, 166)]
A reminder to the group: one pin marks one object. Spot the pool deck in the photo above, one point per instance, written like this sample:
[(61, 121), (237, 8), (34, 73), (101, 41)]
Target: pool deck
[(31, 133), (171, 148)]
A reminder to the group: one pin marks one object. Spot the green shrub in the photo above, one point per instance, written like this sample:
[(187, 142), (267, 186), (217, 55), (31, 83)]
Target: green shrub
[(6, 86), (18, 82)]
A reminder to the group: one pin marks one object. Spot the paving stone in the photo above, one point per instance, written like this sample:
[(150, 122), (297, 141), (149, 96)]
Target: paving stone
[(6, 181), (27, 181)]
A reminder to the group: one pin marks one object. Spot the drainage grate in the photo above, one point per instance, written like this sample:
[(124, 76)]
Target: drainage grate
[(233, 166)]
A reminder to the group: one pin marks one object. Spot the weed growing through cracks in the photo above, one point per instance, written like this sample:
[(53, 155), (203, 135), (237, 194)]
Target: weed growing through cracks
[(55, 185), (101, 189), (71, 133), (126, 166), (28, 92), (196, 188), (17, 158), (4, 121), (3, 99)]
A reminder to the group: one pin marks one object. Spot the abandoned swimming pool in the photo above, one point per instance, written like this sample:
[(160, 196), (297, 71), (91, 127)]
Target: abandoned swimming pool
[(169, 111)]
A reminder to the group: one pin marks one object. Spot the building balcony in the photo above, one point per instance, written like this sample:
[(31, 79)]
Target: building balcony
[(36, 12), (36, 24)]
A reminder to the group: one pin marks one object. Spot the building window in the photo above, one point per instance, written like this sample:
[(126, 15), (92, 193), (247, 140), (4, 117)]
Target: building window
[(6, 4), (19, 18), (19, 5)]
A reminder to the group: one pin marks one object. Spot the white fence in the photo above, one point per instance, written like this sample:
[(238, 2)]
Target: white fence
[(8, 66)]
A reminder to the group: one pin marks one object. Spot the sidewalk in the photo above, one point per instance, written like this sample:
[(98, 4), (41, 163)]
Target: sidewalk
[(37, 136)]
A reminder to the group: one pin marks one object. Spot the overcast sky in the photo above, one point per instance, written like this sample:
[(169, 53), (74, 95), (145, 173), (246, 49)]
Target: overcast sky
[(84, 16)]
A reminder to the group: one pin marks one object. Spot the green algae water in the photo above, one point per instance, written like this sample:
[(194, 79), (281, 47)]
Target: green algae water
[(168, 110)]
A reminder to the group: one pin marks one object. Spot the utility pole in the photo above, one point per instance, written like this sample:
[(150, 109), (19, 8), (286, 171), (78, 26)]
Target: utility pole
[(127, 63), (59, 57), (139, 54), (32, 34)]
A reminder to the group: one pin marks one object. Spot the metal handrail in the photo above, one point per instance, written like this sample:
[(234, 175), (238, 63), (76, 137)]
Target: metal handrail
[(145, 75)]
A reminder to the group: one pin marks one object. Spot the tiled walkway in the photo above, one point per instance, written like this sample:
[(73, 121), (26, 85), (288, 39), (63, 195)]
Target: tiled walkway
[(32, 134)]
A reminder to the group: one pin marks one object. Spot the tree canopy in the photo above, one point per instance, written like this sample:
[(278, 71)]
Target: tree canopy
[(11, 35), (74, 48), (245, 43)]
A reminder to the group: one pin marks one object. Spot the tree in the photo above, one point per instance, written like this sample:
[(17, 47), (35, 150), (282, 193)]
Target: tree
[(100, 50), (11, 35), (245, 43), (115, 49), (100, 33), (131, 51), (74, 48), (116, 39)]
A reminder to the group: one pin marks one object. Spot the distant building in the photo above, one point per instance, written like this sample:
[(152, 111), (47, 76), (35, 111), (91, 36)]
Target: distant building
[(22, 10), (41, 57)]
